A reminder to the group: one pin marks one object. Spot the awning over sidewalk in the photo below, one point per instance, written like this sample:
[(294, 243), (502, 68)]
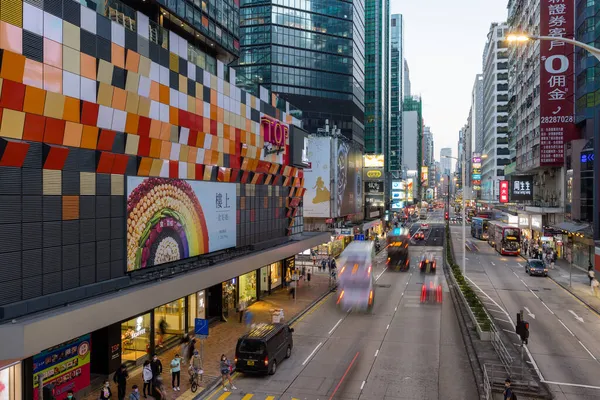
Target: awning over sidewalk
[(570, 226), (371, 224)]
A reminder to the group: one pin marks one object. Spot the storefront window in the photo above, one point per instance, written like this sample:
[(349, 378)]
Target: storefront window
[(135, 338), (275, 274), (229, 297), (10, 383), (169, 318), (248, 288)]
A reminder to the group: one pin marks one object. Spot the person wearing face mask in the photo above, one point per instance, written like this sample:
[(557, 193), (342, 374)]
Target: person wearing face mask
[(120, 378), (105, 393), (135, 394), (147, 377), (156, 367), (225, 367), (70, 395)]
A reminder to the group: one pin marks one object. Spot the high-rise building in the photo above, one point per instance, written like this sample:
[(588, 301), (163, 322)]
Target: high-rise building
[(445, 161), (407, 92), (476, 120), (394, 160), (495, 112), (311, 54), (428, 156), (412, 136), (138, 182), (377, 77)]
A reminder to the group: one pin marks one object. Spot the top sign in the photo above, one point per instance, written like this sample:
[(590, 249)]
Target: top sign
[(521, 188), (274, 131), (504, 191)]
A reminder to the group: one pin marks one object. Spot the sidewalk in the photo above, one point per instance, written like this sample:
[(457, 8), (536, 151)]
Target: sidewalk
[(580, 283), (223, 338)]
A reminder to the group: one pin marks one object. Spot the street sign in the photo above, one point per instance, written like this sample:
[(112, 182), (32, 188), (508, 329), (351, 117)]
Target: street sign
[(201, 326)]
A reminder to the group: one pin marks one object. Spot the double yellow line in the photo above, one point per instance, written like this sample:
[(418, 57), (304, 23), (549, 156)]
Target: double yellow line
[(225, 395)]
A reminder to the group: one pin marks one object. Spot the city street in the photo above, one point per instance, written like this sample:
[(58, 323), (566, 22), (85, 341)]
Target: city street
[(563, 331), (403, 350)]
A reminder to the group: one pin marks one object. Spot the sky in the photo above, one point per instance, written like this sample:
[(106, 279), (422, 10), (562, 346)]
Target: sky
[(443, 44)]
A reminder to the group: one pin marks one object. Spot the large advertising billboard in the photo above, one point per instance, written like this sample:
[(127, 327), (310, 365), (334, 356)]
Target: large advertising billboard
[(424, 176), (373, 187), (66, 366), (557, 80), (317, 178), (173, 219), (348, 178), (373, 160)]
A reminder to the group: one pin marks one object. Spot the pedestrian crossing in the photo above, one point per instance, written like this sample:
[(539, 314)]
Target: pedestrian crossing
[(251, 396)]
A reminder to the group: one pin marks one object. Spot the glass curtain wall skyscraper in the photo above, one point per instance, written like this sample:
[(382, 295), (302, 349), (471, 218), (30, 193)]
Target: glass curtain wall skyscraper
[(377, 77), (397, 95), (310, 53)]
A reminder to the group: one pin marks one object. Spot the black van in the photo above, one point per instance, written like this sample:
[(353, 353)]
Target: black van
[(263, 348)]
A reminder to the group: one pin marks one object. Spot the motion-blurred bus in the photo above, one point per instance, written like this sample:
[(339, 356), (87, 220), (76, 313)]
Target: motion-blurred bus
[(356, 285), (479, 228), (397, 249), (505, 238)]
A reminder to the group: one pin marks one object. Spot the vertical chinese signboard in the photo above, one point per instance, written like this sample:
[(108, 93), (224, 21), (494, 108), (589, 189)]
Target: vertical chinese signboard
[(557, 81), (503, 191)]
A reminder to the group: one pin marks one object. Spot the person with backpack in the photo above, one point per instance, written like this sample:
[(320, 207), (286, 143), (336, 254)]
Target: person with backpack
[(508, 392)]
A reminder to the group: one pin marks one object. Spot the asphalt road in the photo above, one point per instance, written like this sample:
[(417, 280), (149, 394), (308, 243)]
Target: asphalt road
[(403, 350), (564, 332)]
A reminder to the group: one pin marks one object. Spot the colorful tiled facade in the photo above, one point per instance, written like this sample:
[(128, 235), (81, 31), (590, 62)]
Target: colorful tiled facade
[(86, 99)]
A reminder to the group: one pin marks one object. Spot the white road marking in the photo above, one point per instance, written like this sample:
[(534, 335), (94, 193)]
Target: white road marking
[(515, 274), (396, 308), (529, 312), (563, 324), (571, 384), (492, 263), (376, 279), (548, 308), (335, 326), (313, 353), (387, 327), (537, 370), (503, 320), (577, 317), (362, 385), (586, 349), (523, 282), (509, 331), (376, 352), (532, 292), (496, 311)]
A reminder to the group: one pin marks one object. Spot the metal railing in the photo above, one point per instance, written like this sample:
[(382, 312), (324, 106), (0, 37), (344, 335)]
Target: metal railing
[(500, 348), (487, 386)]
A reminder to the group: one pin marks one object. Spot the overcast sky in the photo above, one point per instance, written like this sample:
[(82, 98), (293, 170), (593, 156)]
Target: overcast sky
[(443, 44)]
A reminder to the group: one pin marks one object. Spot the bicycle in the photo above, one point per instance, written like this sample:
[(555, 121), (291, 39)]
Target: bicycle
[(194, 382)]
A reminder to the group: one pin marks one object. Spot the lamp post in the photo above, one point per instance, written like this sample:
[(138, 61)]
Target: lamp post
[(523, 37), (464, 229)]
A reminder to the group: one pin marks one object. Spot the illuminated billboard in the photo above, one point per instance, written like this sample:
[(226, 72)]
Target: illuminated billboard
[(174, 219), (373, 160), (424, 175)]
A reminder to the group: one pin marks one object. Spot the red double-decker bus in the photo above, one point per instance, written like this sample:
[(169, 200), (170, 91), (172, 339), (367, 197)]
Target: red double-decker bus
[(505, 238)]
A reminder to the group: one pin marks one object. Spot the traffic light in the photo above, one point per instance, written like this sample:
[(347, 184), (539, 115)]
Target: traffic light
[(446, 215)]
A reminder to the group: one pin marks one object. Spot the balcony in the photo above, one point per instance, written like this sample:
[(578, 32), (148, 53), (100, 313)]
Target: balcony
[(545, 207)]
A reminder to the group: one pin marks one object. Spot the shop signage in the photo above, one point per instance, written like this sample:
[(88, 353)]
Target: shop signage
[(115, 351), (374, 214), (290, 263), (398, 185), (424, 175), (275, 135), (398, 195), (557, 80), (536, 222), (524, 221), (373, 187), (503, 191), (201, 327), (397, 205), (344, 232), (374, 174), (374, 199), (66, 366), (521, 188)]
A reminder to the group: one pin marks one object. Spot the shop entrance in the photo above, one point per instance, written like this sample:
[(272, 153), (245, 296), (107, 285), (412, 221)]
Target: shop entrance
[(135, 339)]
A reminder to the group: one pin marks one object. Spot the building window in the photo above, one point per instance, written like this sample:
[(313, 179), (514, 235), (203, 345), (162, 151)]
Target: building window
[(197, 304), (248, 288), (135, 338)]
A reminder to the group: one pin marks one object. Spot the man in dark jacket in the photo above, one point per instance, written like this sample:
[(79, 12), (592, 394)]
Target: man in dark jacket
[(156, 367), (120, 378)]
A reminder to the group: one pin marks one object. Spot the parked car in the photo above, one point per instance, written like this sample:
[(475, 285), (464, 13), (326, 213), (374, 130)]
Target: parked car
[(536, 267), (263, 348)]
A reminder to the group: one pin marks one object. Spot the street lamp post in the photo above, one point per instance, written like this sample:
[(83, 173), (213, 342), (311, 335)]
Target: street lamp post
[(464, 228)]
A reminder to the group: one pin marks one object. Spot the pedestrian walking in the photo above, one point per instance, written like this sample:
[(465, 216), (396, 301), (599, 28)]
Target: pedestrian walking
[(248, 317), (591, 273), (157, 368), (158, 389), (185, 341), (323, 265), (508, 392), (595, 287), (241, 310), (135, 392), (147, 377), (70, 395), (190, 349), (308, 278), (120, 378), (292, 292), (225, 367), (162, 331), (175, 372), (105, 392)]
